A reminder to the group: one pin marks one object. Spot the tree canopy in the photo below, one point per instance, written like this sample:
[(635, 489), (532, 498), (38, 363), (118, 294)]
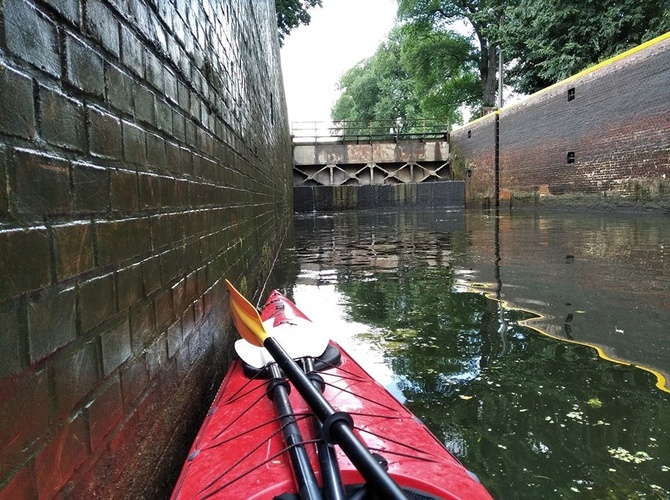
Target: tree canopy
[(550, 40), (425, 69), (291, 14), (545, 41), (482, 16), (417, 73)]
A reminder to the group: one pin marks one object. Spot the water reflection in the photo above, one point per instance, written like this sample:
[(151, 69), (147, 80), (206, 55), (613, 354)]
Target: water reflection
[(532, 416)]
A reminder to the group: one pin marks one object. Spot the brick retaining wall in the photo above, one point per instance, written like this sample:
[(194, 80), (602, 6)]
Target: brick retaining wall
[(144, 155), (615, 127)]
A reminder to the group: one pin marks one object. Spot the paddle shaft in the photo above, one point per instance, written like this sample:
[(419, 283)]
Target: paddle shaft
[(339, 429), (333, 489), (304, 475)]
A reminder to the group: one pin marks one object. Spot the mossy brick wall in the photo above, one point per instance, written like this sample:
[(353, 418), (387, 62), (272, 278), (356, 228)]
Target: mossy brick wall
[(616, 127), (144, 156)]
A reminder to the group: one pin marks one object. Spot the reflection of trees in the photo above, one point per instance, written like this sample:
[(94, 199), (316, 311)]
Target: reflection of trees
[(533, 420), (526, 424), (534, 417), (420, 320)]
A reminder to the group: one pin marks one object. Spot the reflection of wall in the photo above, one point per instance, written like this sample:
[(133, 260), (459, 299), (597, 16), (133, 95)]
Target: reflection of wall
[(378, 241), (144, 154), (603, 132), (601, 279)]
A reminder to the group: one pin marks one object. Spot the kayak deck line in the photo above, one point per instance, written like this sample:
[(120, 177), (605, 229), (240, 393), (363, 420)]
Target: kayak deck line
[(240, 450), (276, 432), (298, 416)]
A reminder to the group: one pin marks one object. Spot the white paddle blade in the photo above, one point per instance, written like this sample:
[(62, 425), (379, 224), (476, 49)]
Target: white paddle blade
[(296, 341), (301, 341), (254, 356)]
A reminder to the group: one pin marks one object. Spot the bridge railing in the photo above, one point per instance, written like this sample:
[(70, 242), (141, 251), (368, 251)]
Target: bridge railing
[(358, 131)]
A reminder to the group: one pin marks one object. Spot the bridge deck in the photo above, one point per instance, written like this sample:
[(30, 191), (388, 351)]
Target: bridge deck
[(375, 154)]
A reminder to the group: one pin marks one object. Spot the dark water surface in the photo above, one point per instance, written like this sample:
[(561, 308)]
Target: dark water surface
[(482, 326)]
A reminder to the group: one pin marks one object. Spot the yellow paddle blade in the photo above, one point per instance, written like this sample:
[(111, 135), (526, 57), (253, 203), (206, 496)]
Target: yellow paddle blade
[(246, 318)]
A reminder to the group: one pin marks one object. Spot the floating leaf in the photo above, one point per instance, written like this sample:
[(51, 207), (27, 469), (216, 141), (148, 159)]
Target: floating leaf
[(595, 403), (626, 456), (405, 332)]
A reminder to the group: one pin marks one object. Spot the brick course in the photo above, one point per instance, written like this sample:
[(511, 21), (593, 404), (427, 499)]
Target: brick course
[(616, 126), (139, 165)]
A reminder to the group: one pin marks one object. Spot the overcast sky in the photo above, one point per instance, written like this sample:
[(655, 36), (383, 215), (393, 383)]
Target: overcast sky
[(314, 57)]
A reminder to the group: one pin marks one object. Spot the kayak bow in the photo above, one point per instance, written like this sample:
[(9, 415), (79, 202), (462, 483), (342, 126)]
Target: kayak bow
[(240, 451)]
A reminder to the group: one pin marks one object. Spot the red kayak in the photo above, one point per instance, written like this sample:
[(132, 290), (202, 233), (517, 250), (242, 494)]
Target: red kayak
[(262, 440)]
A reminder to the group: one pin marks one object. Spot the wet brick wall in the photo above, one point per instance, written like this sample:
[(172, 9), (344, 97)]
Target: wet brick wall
[(144, 155), (603, 133)]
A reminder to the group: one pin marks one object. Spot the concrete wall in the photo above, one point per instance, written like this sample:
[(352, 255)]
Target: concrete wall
[(144, 155), (376, 162), (616, 128)]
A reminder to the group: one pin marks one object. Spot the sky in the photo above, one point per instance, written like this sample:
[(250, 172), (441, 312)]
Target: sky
[(314, 57)]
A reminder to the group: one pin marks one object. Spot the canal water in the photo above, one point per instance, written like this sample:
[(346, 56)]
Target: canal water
[(534, 345)]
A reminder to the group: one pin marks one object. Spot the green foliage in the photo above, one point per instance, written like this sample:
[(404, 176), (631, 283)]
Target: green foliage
[(291, 14), (482, 16), (416, 74), (426, 70), (545, 40), (443, 67), (550, 40)]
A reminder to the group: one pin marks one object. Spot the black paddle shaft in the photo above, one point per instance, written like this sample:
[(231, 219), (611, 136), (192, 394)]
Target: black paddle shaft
[(333, 488), (304, 475), (337, 425)]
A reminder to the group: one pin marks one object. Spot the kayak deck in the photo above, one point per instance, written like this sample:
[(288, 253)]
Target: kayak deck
[(240, 451)]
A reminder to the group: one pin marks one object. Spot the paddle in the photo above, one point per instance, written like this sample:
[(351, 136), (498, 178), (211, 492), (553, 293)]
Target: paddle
[(337, 426), (296, 342), (259, 357), (333, 489), (304, 475)]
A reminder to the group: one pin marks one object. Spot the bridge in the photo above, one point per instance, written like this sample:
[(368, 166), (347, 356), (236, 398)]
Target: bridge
[(357, 153), (349, 165)]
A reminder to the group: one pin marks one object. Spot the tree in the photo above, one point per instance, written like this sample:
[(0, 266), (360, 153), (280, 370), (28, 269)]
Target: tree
[(416, 74), (544, 40), (376, 89), (482, 15), (291, 14), (550, 40), (443, 69)]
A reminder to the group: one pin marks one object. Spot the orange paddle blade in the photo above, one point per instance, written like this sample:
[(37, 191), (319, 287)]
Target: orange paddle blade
[(246, 318)]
